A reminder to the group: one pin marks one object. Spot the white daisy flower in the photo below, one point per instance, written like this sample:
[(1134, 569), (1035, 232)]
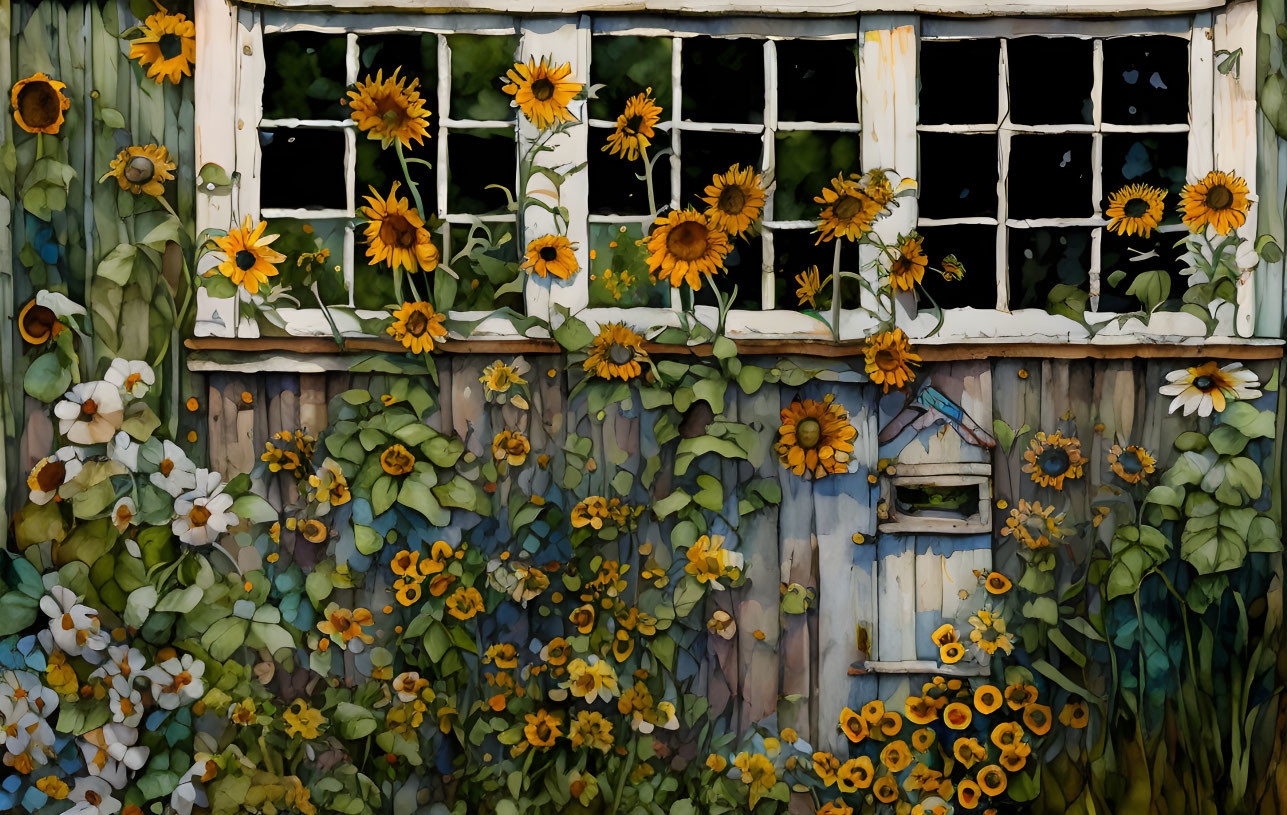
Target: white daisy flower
[(92, 796), (52, 472), (175, 472), (122, 660), (191, 791), (90, 413), (176, 679), (73, 626), (125, 701), (123, 513), (133, 377), (204, 513), (1208, 388), (124, 451)]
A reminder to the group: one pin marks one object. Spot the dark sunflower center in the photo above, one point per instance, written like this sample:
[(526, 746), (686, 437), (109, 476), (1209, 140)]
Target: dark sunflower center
[(886, 360), (687, 241), (808, 433), (847, 207), (1130, 461), (39, 321), (542, 89), (1135, 208), (140, 170), (1205, 384), (50, 476), (397, 231), (170, 46), (633, 124), (732, 199), (549, 254), (417, 323), (245, 260), (391, 110), (1219, 197), (1053, 462), (620, 354), (39, 104)]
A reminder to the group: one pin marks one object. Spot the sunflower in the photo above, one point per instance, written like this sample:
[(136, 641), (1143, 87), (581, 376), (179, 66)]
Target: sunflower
[(853, 725), (168, 45), (889, 359), (397, 460), (958, 715), (142, 170), (634, 127), (815, 437), (885, 789), (1053, 458), (417, 326), (987, 698), (1017, 697), (873, 712), (390, 109), (890, 724), (969, 752), (248, 261), (499, 377), (1209, 387), (920, 709), (1036, 527), (997, 583), (616, 353), (395, 233), (967, 794), (847, 210), (944, 634), (734, 199), (542, 91), (951, 269), (1074, 715), (38, 324), (895, 756), (1135, 210), (992, 780), (1218, 200), (810, 282), (1132, 464), (951, 653), (511, 447), (542, 728), (38, 103), (922, 739), (1037, 718), (1014, 760), (825, 766), (685, 246), (909, 267), (313, 530), (552, 254), (855, 774)]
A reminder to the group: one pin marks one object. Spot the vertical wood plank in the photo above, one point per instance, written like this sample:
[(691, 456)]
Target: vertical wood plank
[(795, 557)]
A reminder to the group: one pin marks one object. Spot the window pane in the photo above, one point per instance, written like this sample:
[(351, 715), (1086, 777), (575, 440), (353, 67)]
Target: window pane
[(958, 175), (744, 269), (1146, 80), (380, 169), (477, 63), (476, 159), (723, 80), (413, 56), (625, 66), (1040, 259), (304, 76), (704, 154), (805, 161), (314, 251), (795, 251), (302, 168), (1147, 158), (1050, 176), (486, 271), (615, 188), (619, 269), (1132, 255), (976, 249), (1050, 80), (959, 82), (817, 81)]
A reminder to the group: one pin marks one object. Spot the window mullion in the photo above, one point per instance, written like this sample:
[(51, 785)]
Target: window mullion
[(250, 109), (1096, 170), (1003, 172), (767, 290), (676, 102)]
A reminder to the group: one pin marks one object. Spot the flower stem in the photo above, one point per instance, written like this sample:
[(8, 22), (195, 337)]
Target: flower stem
[(652, 195), (835, 293), (411, 185)]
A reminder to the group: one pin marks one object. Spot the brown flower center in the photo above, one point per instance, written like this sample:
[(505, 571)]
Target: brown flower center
[(167, 467), (93, 798), (140, 170), (732, 199), (198, 516), (417, 323), (848, 207), (50, 476), (1206, 384), (549, 254), (245, 260), (38, 322), (633, 124), (688, 241), (39, 104), (1135, 208), (620, 354), (1219, 197), (395, 230), (170, 46), (89, 408), (886, 360), (808, 433), (542, 89)]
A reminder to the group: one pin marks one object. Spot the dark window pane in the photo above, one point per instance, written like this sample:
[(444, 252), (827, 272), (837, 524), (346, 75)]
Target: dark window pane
[(480, 275), (806, 160), (314, 251), (1158, 159), (975, 247), (704, 154), (380, 169), (615, 188), (958, 175), (625, 66), (1135, 255), (619, 269), (723, 80), (1050, 176), (477, 158), (304, 76), (959, 82), (796, 251), (478, 66), (744, 269), (817, 81), (1146, 80), (1050, 80), (1040, 259), (302, 168), (414, 56)]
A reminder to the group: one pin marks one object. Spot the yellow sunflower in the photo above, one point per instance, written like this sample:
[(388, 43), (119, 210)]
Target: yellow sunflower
[(1051, 459), (38, 103), (1132, 464), (889, 358), (168, 45), (397, 460), (815, 437), (847, 210), (542, 91), (634, 128), (1135, 210), (1075, 715), (987, 698), (499, 377), (417, 326), (617, 353), (853, 725), (248, 261), (38, 324), (685, 246), (992, 780), (909, 267), (734, 200), (1034, 525), (142, 170), (552, 254), (1218, 200), (810, 282), (390, 109), (511, 447), (885, 789), (395, 233)]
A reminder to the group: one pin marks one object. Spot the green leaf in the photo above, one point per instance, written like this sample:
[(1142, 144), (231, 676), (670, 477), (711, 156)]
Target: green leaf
[(1042, 608), (139, 605), (368, 540), (1243, 473), (750, 378), (1004, 434), (118, 266), (416, 495), (573, 334), (1227, 440), (1248, 420), (181, 601), (710, 494), (254, 509), (46, 378), (724, 348), (354, 721), (674, 502)]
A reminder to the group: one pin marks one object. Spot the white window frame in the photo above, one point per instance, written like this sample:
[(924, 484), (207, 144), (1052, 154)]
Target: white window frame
[(1222, 133)]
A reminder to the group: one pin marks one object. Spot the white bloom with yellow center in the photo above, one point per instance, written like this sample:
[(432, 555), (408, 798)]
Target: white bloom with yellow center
[(203, 513), (90, 413), (51, 473), (133, 377), (73, 626), (175, 472), (176, 679)]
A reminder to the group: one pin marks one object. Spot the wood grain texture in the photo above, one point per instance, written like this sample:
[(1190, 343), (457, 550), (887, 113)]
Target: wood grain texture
[(811, 7)]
